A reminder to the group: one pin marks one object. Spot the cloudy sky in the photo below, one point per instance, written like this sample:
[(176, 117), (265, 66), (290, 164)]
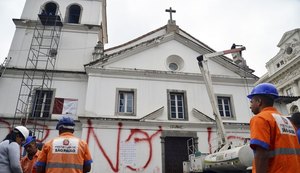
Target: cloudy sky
[(256, 24)]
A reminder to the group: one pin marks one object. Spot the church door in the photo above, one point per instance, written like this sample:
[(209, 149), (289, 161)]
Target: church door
[(175, 153)]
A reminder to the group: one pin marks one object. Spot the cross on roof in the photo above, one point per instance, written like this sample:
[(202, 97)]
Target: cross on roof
[(170, 11)]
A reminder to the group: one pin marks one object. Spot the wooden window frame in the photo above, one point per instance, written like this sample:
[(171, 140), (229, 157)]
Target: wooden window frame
[(120, 91), (231, 107), (184, 105), (41, 106)]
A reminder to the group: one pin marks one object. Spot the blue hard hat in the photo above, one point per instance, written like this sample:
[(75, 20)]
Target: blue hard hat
[(66, 123), (264, 89), (28, 140)]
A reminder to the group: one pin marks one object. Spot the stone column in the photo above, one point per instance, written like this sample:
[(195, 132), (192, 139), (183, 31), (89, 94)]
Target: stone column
[(296, 87)]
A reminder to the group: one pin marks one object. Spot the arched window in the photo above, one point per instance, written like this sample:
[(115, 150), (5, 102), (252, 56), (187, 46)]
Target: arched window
[(50, 8), (74, 14)]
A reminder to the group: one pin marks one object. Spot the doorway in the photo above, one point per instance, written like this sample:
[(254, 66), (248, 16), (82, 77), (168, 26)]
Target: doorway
[(175, 153)]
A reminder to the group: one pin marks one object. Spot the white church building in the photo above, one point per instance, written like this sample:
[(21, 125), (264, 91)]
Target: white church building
[(136, 104)]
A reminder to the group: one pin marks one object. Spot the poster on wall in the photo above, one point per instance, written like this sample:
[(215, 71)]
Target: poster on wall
[(128, 153), (65, 106)]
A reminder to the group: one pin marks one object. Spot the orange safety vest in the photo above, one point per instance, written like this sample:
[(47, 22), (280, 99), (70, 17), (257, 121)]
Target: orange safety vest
[(276, 134), (64, 154), (28, 166)]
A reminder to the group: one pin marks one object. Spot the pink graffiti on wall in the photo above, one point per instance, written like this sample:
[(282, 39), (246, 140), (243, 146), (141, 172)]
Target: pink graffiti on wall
[(38, 125), (209, 133), (41, 126), (6, 123), (148, 138)]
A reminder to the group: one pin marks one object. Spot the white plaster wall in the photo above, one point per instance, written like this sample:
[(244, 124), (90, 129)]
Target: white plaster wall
[(91, 10), (240, 102), (20, 46), (128, 44), (108, 139), (76, 46), (75, 89), (155, 59), (105, 143), (74, 50), (67, 88), (9, 91), (101, 97)]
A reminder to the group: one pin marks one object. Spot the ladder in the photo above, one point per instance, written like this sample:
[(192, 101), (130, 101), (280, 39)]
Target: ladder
[(191, 148), (4, 65), (35, 94)]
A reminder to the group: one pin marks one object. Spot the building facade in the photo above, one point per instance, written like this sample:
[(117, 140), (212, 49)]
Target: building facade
[(283, 71), (137, 104)]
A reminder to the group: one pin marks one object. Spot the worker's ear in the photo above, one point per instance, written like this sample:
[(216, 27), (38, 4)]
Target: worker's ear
[(259, 101)]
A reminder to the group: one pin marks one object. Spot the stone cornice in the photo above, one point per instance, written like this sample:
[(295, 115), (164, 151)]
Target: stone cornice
[(99, 122), (57, 74), (287, 74), (24, 23), (163, 75)]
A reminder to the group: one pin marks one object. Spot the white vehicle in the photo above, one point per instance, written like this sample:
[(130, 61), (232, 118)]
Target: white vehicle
[(226, 158), (237, 159)]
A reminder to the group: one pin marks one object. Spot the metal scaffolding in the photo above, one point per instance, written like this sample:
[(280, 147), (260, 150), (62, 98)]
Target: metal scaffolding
[(35, 94)]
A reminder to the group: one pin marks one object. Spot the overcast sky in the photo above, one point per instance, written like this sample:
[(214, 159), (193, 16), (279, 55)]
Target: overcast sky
[(256, 24)]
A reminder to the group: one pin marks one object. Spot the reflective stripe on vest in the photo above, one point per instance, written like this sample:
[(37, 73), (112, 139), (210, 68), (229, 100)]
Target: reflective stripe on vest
[(284, 151), (63, 165)]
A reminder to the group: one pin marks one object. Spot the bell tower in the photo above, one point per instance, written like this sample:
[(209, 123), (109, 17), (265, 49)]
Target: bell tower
[(84, 25), (52, 37)]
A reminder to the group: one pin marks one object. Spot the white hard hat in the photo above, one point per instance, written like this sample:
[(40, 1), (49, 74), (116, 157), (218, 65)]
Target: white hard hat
[(23, 130)]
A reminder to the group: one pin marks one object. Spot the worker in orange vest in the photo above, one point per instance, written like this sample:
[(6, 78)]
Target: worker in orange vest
[(66, 153), (273, 137), (28, 162)]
